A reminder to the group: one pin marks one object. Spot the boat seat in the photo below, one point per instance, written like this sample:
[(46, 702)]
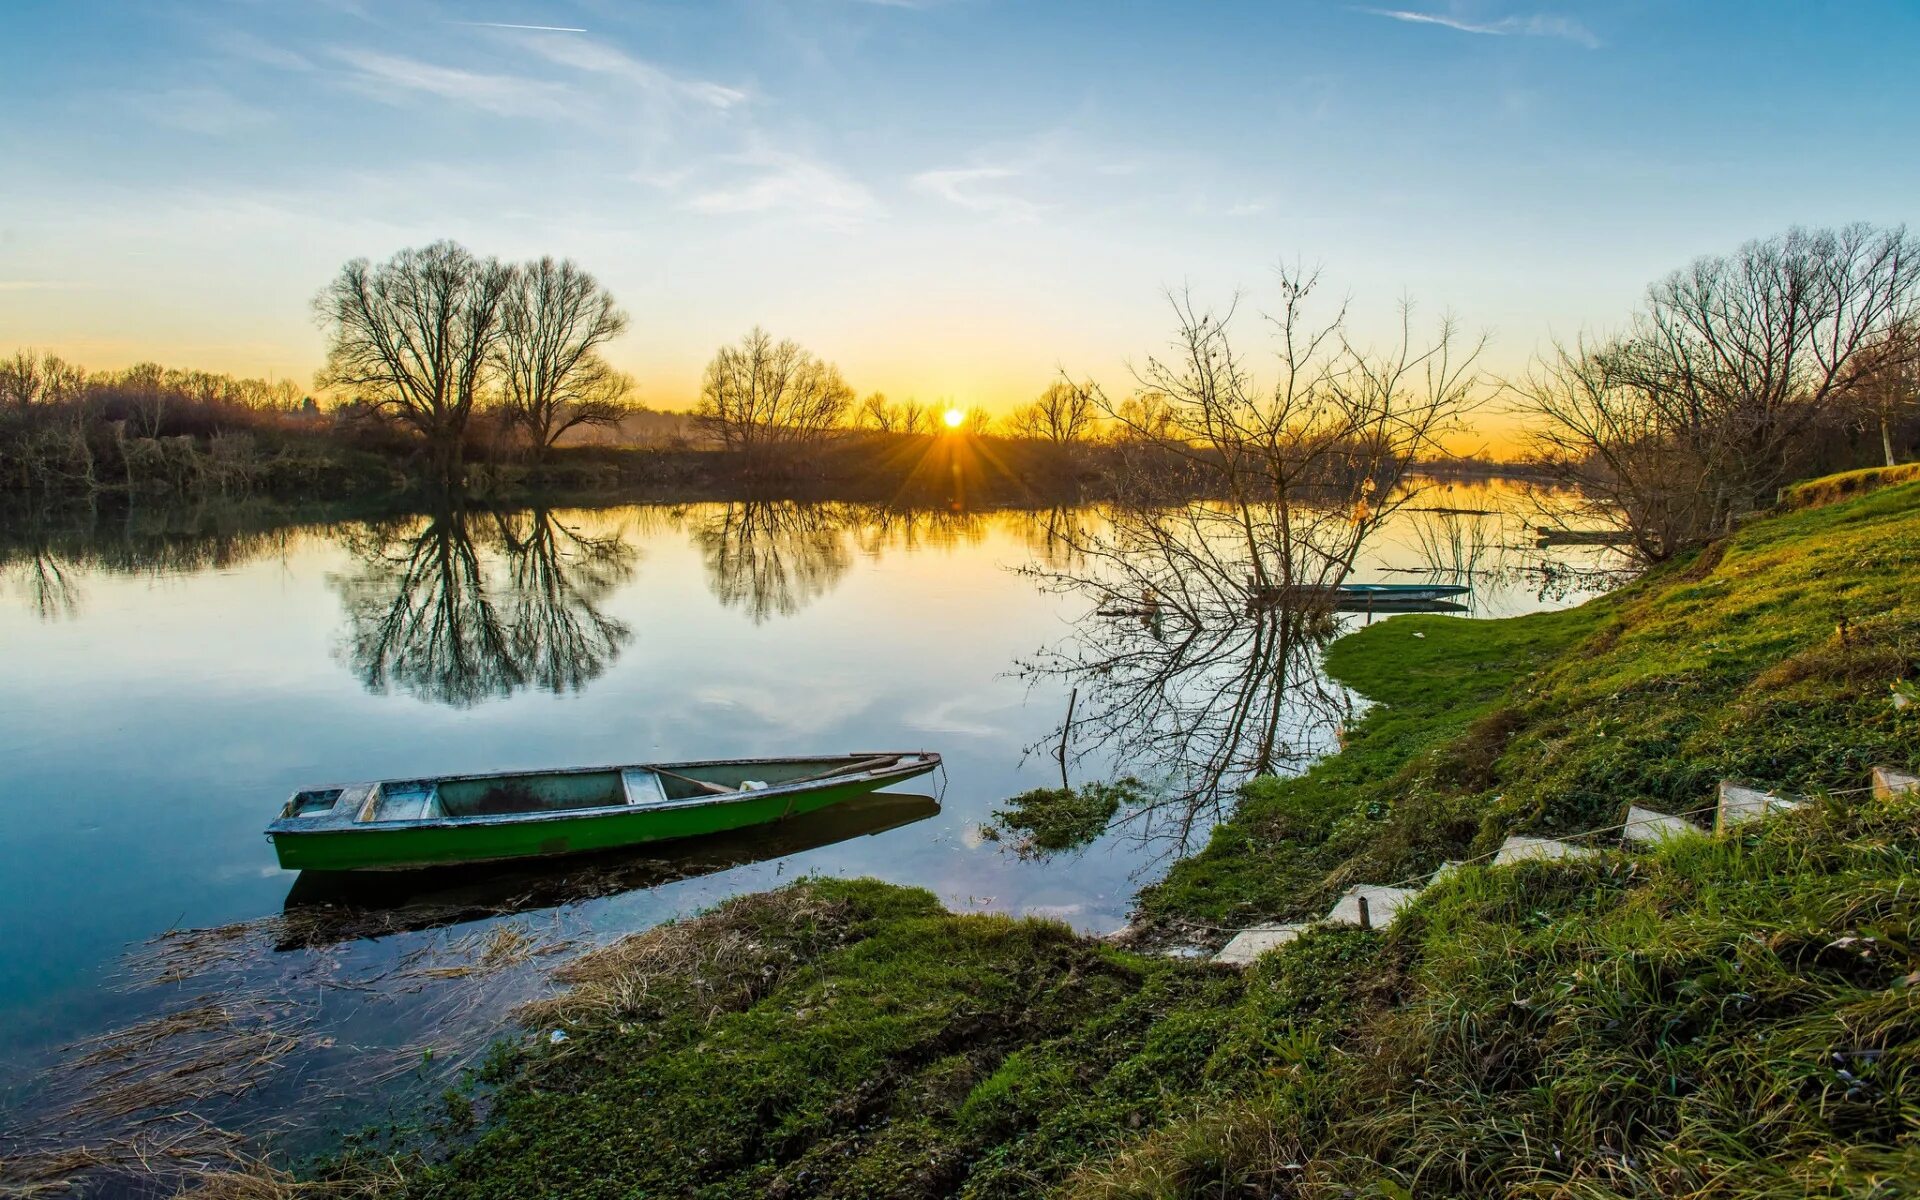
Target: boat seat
[(407, 804), (643, 788)]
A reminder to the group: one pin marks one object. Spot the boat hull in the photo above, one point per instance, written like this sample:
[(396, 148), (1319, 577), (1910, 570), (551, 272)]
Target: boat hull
[(457, 841)]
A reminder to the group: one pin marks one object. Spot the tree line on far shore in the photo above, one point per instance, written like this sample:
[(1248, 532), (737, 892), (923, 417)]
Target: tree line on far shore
[(435, 357), (1741, 372)]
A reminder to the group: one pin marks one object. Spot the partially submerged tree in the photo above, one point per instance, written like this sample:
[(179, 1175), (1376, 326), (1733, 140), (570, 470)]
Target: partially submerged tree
[(415, 337), (1198, 650), (763, 398), (552, 379), (1705, 407)]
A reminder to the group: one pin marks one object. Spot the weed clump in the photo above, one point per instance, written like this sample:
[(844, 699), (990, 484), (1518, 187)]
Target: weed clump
[(1046, 821)]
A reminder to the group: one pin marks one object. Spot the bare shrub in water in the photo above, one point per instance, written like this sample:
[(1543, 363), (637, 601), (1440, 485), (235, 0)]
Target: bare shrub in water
[(1205, 616)]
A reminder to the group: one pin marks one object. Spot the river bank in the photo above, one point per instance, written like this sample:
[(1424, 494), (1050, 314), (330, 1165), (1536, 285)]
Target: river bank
[(1723, 1016)]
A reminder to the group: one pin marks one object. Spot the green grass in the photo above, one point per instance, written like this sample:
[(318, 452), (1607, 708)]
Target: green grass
[(1832, 488), (1728, 1016), (1731, 1017)]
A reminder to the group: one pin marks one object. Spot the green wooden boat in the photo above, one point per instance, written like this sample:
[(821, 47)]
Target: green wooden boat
[(487, 818), (325, 908)]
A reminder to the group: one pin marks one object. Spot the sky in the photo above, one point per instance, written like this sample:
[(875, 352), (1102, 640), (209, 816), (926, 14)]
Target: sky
[(952, 199)]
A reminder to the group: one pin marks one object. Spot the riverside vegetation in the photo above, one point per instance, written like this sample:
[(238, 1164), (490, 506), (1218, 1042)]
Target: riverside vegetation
[(1723, 1016)]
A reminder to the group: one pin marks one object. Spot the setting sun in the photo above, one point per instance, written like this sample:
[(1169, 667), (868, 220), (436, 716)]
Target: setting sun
[(954, 417)]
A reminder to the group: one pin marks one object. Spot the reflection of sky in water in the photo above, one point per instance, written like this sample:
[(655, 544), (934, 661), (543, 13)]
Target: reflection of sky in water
[(149, 734)]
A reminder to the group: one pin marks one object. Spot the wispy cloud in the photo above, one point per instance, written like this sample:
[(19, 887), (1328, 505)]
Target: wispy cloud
[(970, 188), (509, 25), (208, 111), (583, 54), (255, 49), (1532, 25), (781, 181), (390, 77)]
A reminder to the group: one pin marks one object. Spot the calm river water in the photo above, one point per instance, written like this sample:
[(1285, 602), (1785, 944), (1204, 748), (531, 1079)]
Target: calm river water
[(167, 679)]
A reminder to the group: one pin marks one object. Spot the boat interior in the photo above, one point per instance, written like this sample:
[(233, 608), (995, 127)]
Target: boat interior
[(566, 791)]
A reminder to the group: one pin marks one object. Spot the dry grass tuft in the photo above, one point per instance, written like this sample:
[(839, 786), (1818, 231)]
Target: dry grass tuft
[(715, 963), (182, 1058), (153, 1100)]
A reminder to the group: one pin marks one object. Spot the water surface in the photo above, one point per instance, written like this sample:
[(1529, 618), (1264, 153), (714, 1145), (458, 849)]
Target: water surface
[(168, 678)]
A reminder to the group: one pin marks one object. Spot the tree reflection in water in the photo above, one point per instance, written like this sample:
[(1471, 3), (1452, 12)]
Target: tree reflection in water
[(1197, 660), (46, 557), (1195, 700), (460, 607), (773, 557), (43, 576)]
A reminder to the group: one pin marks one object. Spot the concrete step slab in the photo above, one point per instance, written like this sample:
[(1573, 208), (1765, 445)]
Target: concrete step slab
[(1521, 848), (1251, 943), (1740, 804), (1645, 827), (1383, 905), (1888, 782), (1443, 870)]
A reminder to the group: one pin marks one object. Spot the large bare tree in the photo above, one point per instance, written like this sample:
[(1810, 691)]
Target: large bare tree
[(1706, 405), (552, 378), (415, 336), (761, 397)]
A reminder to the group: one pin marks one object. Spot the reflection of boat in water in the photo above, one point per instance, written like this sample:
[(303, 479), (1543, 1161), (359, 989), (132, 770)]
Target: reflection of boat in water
[(1360, 597), (1545, 536), (1368, 604), (326, 907), (526, 814), (1399, 591)]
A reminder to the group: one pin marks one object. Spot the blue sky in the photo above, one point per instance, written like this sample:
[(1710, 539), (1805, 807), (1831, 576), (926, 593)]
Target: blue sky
[(948, 197)]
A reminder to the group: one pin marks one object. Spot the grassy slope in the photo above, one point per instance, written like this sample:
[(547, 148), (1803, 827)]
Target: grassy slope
[(1767, 659), (1730, 1017)]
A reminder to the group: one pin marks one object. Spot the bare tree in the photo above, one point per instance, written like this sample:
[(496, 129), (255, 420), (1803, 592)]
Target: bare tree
[(1064, 415), (415, 337), (552, 378), (1889, 392), (29, 379), (762, 397), (1197, 651), (884, 416), (1705, 406), (974, 420)]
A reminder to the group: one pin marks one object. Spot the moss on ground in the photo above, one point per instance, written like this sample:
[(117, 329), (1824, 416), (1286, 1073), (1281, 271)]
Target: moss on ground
[(1729, 1016)]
